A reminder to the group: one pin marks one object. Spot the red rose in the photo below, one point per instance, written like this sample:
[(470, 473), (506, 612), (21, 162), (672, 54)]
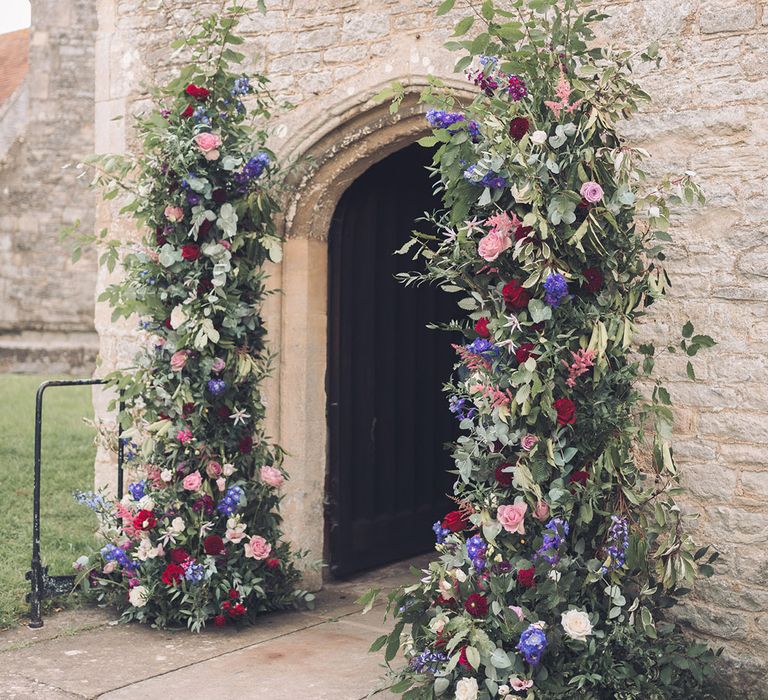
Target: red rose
[(273, 563), (238, 610), (226, 606), (524, 352), (515, 296), (199, 93), (444, 602), (173, 574), (213, 545), (233, 594), (527, 577), (566, 411), (219, 621), (463, 660), (594, 280), (477, 605), (190, 251), (579, 477), (455, 521), (188, 112), (504, 478), (246, 445), (481, 327), (179, 556), (144, 520), (519, 127)]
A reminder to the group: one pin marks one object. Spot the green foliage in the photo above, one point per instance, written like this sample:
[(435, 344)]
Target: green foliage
[(548, 185), (194, 413)]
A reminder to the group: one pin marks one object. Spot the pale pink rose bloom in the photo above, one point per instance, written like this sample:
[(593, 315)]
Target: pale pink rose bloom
[(193, 481), (541, 511), (179, 360), (226, 244), (218, 365), (493, 245), (529, 442), (174, 213), (517, 610), (592, 192), (221, 483), (109, 567), (272, 477), (512, 518), (519, 684), (257, 548), (209, 144), (213, 470)]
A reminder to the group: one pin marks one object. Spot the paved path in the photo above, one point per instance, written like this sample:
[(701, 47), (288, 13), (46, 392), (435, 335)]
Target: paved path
[(312, 655)]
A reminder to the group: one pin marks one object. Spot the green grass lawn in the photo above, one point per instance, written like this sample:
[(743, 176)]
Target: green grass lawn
[(67, 458)]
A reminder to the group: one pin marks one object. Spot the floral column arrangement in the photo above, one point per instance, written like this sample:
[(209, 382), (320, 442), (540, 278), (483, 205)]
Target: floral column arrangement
[(197, 539), (566, 544)]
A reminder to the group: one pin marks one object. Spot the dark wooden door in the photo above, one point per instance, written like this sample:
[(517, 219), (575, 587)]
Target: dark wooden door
[(388, 418)]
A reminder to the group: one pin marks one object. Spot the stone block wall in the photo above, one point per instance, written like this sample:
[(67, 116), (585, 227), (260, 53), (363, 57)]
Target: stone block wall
[(47, 303), (331, 56)]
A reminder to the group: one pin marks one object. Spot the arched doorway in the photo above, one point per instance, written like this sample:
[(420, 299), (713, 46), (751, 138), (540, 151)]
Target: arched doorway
[(388, 420)]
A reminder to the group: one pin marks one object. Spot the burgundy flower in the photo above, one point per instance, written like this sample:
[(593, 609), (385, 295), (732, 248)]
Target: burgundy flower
[(246, 445), (522, 232), (205, 227), (206, 504), (527, 577), (160, 238), (524, 352), (214, 545), (594, 280), (455, 521), (178, 555), (187, 409), (504, 478), (515, 296), (566, 411), (481, 327), (199, 93), (219, 196), (233, 594), (219, 621), (188, 112), (273, 563), (463, 660), (190, 251), (477, 605), (519, 127), (580, 477)]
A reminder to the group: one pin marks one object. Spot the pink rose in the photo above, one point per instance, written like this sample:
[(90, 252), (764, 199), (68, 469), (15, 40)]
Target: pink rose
[(257, 548), (109, 567), (541, 511), (226, 244), (592, 192), (174, 213), (272, 477), (221, 483), (218, 365), (193, 481), (493, 245), (517, 610), (213, 470), (179, 359), (209, 144), (519, 684), (512, 518), (528, 442), (184, 436)]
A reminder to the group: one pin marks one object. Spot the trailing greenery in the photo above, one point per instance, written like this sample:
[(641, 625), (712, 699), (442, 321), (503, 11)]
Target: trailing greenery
[(567, 545), (197, 539)]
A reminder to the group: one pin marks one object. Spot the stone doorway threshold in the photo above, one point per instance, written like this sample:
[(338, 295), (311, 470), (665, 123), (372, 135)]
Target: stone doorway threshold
[(320, 654)]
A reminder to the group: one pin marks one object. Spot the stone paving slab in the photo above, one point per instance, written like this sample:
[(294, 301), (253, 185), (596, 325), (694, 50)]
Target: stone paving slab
[(319, 654)]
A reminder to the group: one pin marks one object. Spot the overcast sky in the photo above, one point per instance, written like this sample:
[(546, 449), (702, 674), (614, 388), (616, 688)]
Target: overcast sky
[(14, 14)]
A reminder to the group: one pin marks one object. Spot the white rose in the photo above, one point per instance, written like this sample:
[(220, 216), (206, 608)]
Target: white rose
[(576, 624), (166, 475), (539, 137), (146, 503), (228, 469), (504, 691), (466, 689), (177, 525), (178, 316), (460, 575), (137, 596)]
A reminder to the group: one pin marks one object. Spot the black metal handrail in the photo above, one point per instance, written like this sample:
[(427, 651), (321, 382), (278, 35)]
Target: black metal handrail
[(42, 585)]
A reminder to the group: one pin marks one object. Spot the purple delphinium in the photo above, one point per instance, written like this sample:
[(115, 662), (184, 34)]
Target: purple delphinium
[(217, 386), (532, 644), (556, 289), (618, 543), (231, 501), (440, 532), (428, 661), (440, 119), (517, 88), (457, 406), (556, 531), (476, 549)]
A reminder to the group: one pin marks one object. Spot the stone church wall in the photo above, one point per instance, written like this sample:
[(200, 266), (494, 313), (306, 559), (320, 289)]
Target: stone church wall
[(46, 303), (331, 56)]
